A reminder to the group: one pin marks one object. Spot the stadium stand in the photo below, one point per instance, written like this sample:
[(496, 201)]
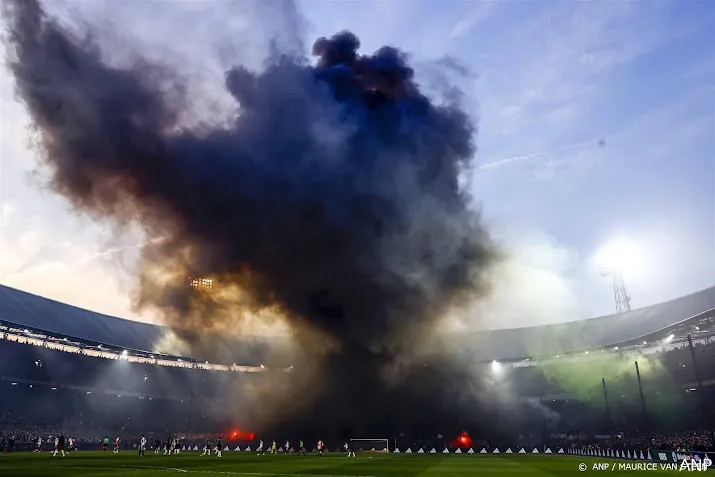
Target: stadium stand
[(645, 324), (26, 310), (32, 311), (55, 377)]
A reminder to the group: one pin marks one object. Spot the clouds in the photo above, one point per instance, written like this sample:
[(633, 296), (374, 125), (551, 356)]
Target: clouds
[(479, 12), (538, 284), (564, 149), (64, 267), (6, 212), (559, 65), (552, 79), (44, 249), (571, 74)]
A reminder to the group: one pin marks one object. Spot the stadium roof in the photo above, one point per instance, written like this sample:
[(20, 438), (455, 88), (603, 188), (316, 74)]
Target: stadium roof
[(27, 310), (33, 311), (650, 323)]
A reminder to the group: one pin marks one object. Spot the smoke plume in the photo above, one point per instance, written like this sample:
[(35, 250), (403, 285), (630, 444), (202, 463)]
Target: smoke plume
[(329, 202)]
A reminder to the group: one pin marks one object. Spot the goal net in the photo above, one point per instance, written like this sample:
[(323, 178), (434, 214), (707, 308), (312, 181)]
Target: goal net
[(370, 445)]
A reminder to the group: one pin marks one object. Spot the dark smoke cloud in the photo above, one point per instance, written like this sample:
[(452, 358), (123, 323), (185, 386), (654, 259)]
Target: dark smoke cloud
[(330, 201)]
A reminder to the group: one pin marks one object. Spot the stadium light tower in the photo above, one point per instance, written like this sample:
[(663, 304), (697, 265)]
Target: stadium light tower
[(612, 259)]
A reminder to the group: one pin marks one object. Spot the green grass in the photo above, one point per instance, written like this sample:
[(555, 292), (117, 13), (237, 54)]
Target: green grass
[(191, 464)]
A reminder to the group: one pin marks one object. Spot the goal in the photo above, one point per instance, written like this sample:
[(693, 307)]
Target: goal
[(370, 445)]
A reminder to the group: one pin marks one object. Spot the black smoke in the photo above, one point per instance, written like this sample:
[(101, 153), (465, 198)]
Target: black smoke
[(331, 200)]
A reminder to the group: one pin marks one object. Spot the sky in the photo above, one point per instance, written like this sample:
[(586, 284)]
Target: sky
[(596, 124)]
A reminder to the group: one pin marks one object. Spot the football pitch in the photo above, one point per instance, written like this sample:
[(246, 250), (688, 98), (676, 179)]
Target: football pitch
[(128, 464)]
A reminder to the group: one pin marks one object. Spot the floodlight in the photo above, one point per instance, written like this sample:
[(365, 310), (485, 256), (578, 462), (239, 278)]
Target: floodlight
[(496, 367), (616, 259), (617, 256), (669, 339)]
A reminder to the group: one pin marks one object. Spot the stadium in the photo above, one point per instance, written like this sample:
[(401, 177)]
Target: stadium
[(303, 217), (572, 387)]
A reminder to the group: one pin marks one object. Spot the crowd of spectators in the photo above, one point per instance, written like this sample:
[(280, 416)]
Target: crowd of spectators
[(692, 440), (688, 440), (45, 392), (24, 429)]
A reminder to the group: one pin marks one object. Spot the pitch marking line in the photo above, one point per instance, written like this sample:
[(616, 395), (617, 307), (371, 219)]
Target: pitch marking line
[(222, 472), (133, 467)]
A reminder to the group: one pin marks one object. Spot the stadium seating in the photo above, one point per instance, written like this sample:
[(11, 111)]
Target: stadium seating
[(556, 402)]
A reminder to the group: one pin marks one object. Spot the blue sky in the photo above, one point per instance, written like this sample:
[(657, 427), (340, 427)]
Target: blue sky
[(548, 81)]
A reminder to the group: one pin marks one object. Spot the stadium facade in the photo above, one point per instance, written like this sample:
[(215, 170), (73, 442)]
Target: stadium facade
[(672, 320)]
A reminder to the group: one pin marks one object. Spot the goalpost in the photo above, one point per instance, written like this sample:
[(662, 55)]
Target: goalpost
[(371, 445)]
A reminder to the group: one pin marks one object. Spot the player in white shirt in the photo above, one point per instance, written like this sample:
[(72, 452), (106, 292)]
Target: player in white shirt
[(320, 448), (59, 445), (287, 447), (142, 446), (207, 448), (261, 451), (116, 445), (38, 446)]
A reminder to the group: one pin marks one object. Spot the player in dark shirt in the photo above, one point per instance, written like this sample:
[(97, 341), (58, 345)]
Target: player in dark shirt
[(219, 447)]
